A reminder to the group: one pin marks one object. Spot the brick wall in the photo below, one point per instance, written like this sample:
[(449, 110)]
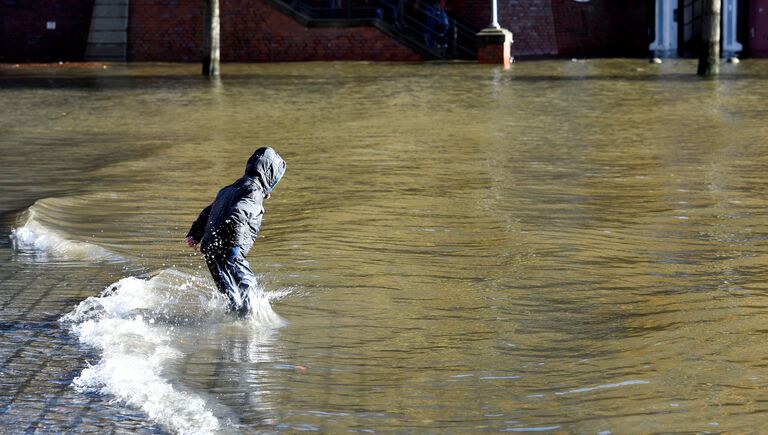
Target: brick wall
[(493, 54), (566, 27), (532, 25), (165, 30), (251, 31), (23, 33), (530, 21)]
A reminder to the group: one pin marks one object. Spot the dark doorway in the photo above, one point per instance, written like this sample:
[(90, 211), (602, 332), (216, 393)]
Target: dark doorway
[(758, 28)]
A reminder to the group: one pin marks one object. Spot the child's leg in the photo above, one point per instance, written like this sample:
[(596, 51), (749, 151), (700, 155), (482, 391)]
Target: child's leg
[(233, 278), (246, 281), (224, 281)]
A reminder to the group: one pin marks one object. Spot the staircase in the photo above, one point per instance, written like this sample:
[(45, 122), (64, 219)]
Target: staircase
[(420, 29), (108, 37)]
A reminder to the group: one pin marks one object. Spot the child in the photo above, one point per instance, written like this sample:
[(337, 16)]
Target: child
[(227, 228)]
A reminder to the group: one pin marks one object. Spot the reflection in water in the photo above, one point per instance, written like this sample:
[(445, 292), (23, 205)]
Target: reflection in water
[(565, 246)]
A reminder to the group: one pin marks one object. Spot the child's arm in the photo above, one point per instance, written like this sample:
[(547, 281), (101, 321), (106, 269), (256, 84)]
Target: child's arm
[(195, 233)]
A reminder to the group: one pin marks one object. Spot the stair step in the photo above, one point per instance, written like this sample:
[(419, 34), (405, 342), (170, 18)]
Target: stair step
[(101, 10), (109, 23), (108, 36), (106, 52)]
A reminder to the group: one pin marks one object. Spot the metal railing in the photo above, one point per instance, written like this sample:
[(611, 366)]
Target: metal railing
[(440, 33), (427, 29)]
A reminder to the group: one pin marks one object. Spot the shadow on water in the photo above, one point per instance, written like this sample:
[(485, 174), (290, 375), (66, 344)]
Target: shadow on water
[(162, 82), (664, 77), (96, 83)]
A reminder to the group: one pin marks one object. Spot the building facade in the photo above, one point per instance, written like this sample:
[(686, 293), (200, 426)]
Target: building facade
[(677, 25), (377, 30)]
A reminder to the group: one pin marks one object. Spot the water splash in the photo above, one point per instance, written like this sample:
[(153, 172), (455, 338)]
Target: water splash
[(134, 324)]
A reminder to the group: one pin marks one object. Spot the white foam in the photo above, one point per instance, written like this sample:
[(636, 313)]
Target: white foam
[(134, 324), (261, 310), (34, 236), (133, 355)]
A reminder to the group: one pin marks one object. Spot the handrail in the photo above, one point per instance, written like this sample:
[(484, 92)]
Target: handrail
[(422, 28)]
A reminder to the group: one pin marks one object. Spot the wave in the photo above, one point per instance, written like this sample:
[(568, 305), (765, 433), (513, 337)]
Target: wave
[(42, 241), (138, 324)]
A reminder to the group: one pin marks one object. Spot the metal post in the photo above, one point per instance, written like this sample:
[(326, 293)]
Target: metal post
[(494, 16), (709, 55), (211, 39)]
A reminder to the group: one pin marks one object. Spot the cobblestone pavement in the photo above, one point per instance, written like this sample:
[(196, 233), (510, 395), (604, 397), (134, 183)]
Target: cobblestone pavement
[(39, 357)]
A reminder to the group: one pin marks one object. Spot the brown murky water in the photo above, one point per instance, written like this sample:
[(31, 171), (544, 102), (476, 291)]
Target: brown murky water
[(562, 247)]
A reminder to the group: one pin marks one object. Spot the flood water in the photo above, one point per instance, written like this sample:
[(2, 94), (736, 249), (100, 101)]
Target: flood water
[(567, 247)]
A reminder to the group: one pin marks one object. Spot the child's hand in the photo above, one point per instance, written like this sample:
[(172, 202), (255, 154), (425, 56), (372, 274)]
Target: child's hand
[(192, 243)]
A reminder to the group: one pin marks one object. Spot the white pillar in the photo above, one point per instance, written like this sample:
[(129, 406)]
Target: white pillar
[(730, 14), (494, 16), (665, 44)]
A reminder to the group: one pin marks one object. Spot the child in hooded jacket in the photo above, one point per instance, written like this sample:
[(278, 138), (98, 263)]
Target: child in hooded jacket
[(227, 228)]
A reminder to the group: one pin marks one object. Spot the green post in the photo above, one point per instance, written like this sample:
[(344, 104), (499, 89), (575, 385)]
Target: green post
[(709, 52), (211, 37)]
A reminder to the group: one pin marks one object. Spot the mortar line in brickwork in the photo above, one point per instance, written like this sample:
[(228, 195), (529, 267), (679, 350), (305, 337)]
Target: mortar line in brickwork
[(49, 404), (19, 292), (18, 271), (44, 295), (35, 302), (79, 418), (24, 384)]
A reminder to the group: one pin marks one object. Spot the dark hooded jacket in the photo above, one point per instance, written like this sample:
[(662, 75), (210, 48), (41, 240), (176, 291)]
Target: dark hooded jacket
[(234, 217)]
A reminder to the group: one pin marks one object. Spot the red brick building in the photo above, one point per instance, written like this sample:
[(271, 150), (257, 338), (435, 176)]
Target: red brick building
[(251, 31), (269, 30)]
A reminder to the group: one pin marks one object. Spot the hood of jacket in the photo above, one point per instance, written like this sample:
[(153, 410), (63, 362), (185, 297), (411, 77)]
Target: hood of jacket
[(266, 167)]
